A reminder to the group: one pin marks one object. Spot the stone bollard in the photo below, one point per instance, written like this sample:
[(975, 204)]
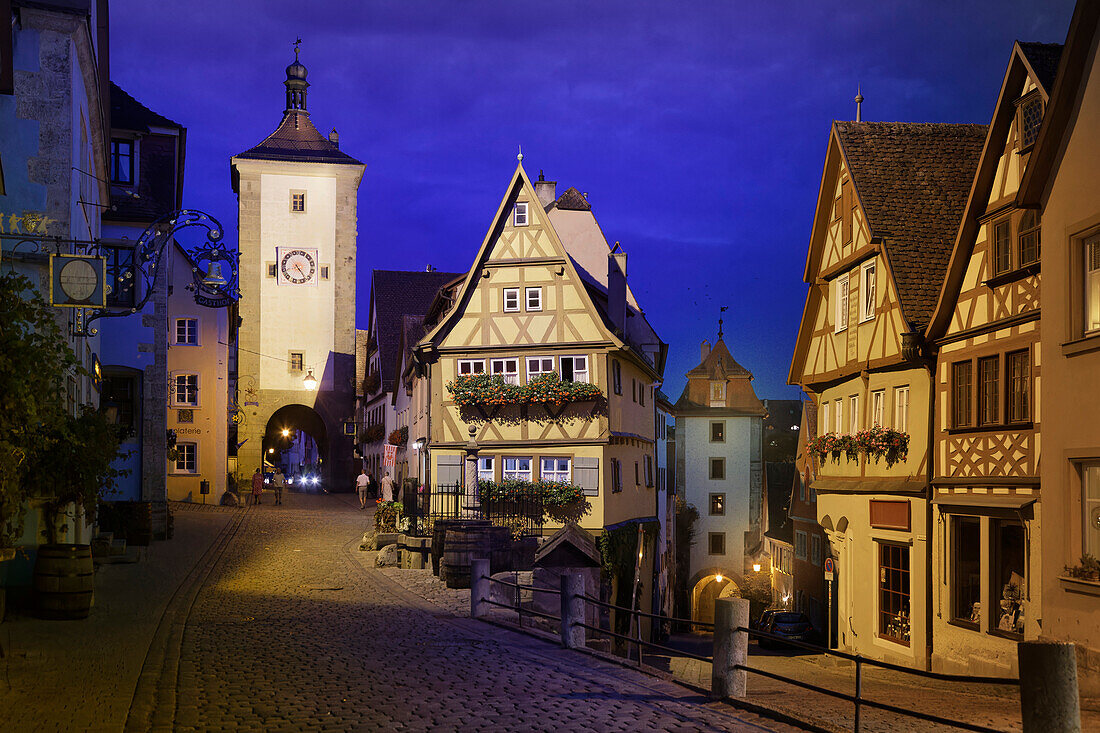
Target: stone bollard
[(731, 647), (1048, 687), (479, 587), (572, 611)]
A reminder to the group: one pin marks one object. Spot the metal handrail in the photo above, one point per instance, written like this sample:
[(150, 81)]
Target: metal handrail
[(605, 604), (535, 588)]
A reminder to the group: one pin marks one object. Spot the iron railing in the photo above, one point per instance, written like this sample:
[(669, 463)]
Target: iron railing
[(522, 512)]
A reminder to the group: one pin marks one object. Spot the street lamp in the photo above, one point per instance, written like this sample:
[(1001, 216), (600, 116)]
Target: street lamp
[(286, 433), (718, 578), (756, 567), (310, 382)]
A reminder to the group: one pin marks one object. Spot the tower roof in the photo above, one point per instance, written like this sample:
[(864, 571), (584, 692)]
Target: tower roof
[(296, 139)]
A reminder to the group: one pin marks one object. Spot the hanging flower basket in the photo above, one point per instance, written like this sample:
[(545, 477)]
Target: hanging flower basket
[(399, 436), (483, 389)]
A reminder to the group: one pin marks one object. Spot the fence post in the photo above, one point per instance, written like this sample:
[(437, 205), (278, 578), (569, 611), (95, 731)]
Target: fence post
[(731, 647), (479, 587), (1048, 687), (572, 611)]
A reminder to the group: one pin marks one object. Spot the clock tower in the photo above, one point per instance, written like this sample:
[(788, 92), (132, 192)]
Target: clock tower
[(296, 195)]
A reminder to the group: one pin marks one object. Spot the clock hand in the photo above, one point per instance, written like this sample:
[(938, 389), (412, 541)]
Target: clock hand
[(298, 267)]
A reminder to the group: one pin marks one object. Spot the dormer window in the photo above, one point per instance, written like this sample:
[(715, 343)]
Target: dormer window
[(1029, 119), (519, 214), (122, 161), (717, 394)]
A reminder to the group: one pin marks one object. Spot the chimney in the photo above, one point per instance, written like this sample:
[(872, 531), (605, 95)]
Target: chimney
[(547, 191), (704, 351), (334, 137), (616, 288)]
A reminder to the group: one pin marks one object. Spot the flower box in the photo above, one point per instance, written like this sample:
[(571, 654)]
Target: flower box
[(877, 443), (471, 390)]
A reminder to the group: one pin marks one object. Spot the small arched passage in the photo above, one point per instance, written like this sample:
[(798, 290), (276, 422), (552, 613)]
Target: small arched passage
[(296, 440), (713, 584)]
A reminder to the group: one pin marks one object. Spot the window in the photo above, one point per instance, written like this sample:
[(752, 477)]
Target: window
[(534, 299), (966, 570), (297, 361), (716, 543), (185, 416), (641, 395), (1092, 283), (878, 404), (649, 471), (717, 468), (1002, 252), (961, 383), (119, 391), (717, 504), (824, 426), (539, 365), (1009, 575), (637, 475), (122, 161), (519, 214), (988, 389), (324, 272), (471, 366), (633, 390), (554, 469), (1029, 238), (187, 331), (506, 368), (901, 409), (486, 468), (840, 296), (893, 593), (574, 368), (815, 549), (847, 203), (616, 475), (186, 390), (867, 291), (1018, 366), (1090, 491), (800, 545), (187, 455), (517, 468), (121, 276), (838, 416), (511, 300), (298, 201), (617, 376), (853, 409), (1030, 119), (718, 431), (717, 394)]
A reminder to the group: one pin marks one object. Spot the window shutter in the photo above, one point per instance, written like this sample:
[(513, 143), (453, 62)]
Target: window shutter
[(586, 474), (448, 470), (846, 212)]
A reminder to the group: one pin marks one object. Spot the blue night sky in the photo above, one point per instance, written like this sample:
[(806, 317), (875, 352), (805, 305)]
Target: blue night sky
[(698, 129)]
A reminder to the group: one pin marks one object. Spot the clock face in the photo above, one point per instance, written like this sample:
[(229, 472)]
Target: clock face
[(78, 279), (297, 266)]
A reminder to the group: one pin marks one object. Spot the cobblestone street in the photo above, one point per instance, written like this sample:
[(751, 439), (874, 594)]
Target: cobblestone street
[(283, 625)]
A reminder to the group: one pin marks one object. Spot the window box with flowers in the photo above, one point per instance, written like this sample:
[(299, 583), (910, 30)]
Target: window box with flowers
[(372, 433), (559, 500), (371, 383), (399, 436), (877, 443), (483, 389), (832, 445)]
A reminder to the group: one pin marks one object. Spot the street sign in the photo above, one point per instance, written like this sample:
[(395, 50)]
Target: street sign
[(829, 575), (390, 456), (830, 568)]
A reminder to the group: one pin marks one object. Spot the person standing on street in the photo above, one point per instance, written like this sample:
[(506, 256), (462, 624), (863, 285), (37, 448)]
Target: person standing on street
[(278, 482), (257, 486), (387, 487), (362, 484)]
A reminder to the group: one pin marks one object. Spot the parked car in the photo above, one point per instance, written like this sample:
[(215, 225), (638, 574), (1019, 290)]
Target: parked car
[(789, 625), (765, 618)]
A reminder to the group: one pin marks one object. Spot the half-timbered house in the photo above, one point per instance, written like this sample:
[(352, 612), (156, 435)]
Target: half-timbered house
[(889, 205), (985, 530)]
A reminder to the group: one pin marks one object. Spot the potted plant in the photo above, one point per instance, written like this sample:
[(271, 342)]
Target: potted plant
[(1087, 569)]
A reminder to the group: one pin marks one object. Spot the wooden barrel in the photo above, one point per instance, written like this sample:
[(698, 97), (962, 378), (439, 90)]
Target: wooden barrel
[(439, 534), (463, 544), (63, 581), (500, 549)]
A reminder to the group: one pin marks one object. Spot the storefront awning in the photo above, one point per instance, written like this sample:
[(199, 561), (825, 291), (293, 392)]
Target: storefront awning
[(994, 501)]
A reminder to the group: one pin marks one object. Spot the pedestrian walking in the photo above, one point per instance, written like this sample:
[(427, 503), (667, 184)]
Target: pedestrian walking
[(278, 482), (362, 484), (257, 486), (387, 487), (372, 487)]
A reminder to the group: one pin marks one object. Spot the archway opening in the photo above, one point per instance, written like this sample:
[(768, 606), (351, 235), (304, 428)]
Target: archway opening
[(709, 589), (296, 441)]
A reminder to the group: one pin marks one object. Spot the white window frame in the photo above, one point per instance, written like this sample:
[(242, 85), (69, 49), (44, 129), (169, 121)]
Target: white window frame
[(1090, 502), (181, 458), (853, 418), (1091, 267), (840, 299), (486, 468), (878, 407), (555, 472), (515, 472), (838, 417), (519, 214), (901, 408), (823, 428), (533, 303), (800, 541), (500, 368), (511, 294), (472, 363), (176, 402), (540, 360), (867, 291), (192, 330), (579, 375)]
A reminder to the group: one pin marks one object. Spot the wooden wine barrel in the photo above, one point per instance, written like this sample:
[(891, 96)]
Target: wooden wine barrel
[(500, 549), (64, 578), (463, 544), (439, 534)]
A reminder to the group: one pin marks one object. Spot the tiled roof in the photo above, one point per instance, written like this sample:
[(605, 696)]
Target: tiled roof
[(297, 140), (572, 200), (913, 180), (719, 363), (395, 294), (158, 166), (1044, 58), (129, 114)]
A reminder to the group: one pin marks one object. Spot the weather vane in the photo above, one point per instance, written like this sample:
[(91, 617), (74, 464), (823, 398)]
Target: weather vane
[(297, 43), (722, 310)]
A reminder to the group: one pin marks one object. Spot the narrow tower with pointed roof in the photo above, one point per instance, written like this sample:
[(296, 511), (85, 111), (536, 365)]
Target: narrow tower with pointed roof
[(297, 219)]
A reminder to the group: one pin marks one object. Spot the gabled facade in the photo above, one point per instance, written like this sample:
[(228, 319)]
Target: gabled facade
[(1061, 181), (890, 200), (719, 471), (986, 520)]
